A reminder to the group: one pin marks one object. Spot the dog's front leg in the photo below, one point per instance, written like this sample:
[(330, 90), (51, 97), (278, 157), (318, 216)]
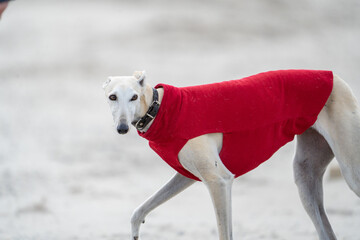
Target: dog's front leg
[(174, 186), (220, 192), (218, 182), (200, 156)]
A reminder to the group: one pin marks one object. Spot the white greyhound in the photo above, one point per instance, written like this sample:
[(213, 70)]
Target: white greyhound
[(335, 132)]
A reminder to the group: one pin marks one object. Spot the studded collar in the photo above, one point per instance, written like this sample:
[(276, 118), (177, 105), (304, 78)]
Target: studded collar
[(150, 114)]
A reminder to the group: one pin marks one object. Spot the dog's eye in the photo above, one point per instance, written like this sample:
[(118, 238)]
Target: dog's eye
[(112, 97), (134, 97)]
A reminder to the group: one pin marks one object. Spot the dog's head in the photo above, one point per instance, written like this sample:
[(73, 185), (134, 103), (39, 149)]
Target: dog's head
[(125, 94)]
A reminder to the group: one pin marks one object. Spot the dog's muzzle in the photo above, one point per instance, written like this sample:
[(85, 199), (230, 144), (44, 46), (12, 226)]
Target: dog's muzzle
[(122, 128)]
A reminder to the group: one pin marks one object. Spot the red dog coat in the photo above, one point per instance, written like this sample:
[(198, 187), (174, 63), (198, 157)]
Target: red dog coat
[(257, 115)]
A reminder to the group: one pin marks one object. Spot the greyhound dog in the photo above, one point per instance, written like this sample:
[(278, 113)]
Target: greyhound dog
[(335, 132)]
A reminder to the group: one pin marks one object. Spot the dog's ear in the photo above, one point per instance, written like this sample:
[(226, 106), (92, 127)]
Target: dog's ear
[(106, 83), (140, 77)]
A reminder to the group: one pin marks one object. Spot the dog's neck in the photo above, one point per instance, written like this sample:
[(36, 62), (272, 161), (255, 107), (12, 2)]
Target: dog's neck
[(146, 100)]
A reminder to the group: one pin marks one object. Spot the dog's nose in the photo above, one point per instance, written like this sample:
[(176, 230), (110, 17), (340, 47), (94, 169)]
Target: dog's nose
[(123, 128)]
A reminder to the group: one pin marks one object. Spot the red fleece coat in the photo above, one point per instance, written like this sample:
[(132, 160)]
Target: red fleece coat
[(257, 115)]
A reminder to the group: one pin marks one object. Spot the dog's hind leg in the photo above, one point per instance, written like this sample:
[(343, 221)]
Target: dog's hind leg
[(339, 123), (200, 156), (175, 185), (313, 154)]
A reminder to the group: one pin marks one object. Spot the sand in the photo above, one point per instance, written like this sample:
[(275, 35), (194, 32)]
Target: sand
[(65, 174)]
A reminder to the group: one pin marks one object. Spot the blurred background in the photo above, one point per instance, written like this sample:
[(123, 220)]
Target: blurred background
[(64, 171)]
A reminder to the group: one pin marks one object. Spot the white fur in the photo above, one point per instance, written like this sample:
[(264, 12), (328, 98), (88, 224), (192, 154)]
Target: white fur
[(124, 88), (336, 132)]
